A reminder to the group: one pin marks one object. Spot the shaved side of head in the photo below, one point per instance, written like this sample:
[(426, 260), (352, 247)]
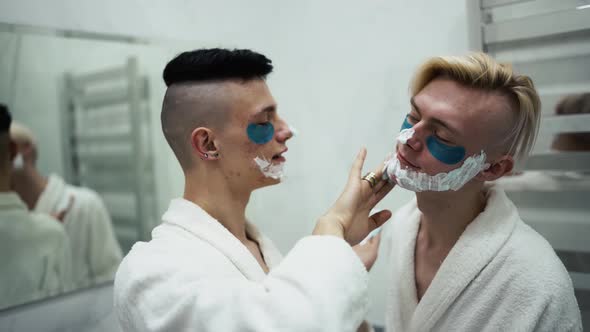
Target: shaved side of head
[(188, 106)]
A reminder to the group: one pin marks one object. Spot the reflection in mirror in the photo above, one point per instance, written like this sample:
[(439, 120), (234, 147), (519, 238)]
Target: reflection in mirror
[(551, 189), (77, 162)]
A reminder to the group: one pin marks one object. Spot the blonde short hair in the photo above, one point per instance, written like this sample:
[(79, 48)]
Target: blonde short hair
[(21, 134), (480, 71)]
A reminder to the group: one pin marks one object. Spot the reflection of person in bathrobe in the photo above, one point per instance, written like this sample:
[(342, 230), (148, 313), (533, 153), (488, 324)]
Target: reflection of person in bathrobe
[(95, 251), (36, 255), (460, 256), (207, 268), (566, 142)]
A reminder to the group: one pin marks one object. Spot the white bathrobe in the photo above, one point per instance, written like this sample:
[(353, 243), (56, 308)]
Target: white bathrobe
[(35, 254), (545, 181), (194, 275), (500, 276), (96, 254)]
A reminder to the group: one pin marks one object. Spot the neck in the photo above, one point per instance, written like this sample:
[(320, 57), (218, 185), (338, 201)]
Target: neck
[(212, 192), (445, 215), (29, 184), (5, 180)]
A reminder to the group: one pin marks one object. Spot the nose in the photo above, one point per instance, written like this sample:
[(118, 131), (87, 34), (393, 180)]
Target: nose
[(284, 132), (416, 142)]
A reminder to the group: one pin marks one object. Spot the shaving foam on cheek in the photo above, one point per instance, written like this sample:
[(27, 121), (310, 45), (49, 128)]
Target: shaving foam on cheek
[(269, 169), (18, 163), (403, 137), (419, 181)]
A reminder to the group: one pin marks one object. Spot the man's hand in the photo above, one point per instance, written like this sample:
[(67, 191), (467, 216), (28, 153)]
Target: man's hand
[(349, 216), (61, 215), (368, 252)]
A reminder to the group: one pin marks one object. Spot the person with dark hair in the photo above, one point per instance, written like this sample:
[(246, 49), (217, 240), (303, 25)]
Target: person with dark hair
[(207, 268), (36, 256)]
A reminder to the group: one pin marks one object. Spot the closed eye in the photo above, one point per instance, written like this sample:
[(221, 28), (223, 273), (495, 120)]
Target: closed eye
[(446, 141)]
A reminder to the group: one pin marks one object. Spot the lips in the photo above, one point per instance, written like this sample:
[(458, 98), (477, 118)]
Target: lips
[(279, 156), (405, 161)]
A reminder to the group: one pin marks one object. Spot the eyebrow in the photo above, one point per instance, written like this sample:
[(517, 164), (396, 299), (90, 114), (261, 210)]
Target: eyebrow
[(267, 109), (435, 120)]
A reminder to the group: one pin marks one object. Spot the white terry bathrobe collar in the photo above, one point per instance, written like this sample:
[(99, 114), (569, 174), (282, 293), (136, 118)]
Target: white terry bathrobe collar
[(53, 196), (477, 246), (194, 219)]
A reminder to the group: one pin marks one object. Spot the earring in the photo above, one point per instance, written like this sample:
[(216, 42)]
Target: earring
[(205, 155), (215, 155)]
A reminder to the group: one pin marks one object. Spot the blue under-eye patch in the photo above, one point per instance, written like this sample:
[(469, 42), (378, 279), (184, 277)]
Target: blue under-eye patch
[(447, 154), (406, 124), (261, 133)]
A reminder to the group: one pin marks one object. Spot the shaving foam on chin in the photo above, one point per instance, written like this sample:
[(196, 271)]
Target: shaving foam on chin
[(412, 180), (269, 169), (419, 181)]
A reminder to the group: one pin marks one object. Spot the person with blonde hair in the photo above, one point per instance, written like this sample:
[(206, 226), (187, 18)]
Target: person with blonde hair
[(36, 256), (460, 257), (96, 254)]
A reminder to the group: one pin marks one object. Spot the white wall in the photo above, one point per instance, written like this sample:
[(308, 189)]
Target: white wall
[(342, 80), (342, 72)]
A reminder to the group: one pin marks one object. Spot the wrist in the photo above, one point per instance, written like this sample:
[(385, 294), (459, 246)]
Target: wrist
[(329, 225)]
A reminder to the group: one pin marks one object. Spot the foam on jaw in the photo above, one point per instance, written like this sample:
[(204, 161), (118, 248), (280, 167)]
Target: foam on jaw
[(419, 181), (269, 169)]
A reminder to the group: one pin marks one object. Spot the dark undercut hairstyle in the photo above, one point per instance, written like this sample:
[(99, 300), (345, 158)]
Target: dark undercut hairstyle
[(216, 64), (5, 121), (189, 104)]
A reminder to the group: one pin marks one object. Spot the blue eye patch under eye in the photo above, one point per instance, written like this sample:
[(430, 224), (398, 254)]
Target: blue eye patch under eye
[(260, 133), (444, 153), (406, 124)]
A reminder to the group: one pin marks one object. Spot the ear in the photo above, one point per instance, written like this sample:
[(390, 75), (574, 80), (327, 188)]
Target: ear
[(497, 169), (202, 142)]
